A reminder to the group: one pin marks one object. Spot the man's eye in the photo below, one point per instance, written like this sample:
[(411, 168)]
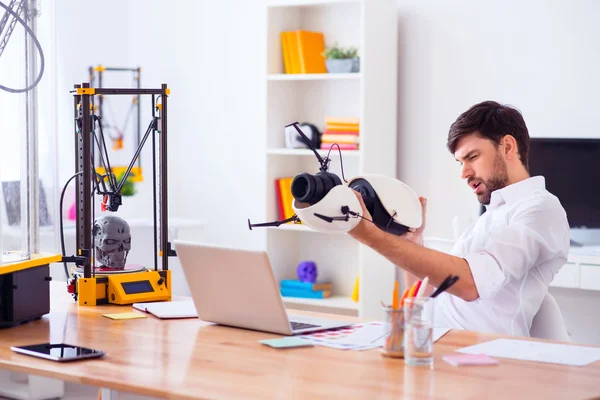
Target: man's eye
[(110, 241), (473, 157), (127, 240)]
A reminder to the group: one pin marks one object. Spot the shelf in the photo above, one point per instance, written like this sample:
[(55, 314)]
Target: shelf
[(308, 152), (313, 77), (339, 302), (292, 227), (307, 3)]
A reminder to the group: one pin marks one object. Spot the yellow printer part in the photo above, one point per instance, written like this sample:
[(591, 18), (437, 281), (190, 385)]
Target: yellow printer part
[(137, 287), (35, 260)]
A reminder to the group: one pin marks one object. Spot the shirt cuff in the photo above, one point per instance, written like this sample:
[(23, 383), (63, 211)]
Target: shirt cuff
[(486, 273)]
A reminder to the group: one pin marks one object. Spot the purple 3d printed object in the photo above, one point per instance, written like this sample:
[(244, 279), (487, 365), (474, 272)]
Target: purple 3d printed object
[(307, 271)]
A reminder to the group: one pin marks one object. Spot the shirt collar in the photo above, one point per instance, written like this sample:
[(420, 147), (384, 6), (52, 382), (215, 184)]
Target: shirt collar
[(511, 193)]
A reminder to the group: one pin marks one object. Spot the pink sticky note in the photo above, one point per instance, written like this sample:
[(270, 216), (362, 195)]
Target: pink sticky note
[(469, 359)]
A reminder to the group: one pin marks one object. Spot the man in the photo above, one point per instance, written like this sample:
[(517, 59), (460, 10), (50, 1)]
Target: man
[(508, 257)]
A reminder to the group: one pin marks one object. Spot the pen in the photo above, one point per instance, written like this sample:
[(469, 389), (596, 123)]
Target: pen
[(445, 285), (423, 287)]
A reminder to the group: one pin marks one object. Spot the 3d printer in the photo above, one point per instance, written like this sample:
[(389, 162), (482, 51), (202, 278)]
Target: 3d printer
[(91, 284)]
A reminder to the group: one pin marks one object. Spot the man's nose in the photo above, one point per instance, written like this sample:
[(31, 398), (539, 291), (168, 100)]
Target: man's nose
[(466, 171)]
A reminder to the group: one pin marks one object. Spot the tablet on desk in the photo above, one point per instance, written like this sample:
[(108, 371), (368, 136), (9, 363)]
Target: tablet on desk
[(58, 352)]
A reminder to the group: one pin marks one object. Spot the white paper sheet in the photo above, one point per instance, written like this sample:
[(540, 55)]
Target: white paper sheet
[(169, 309), (536, 351)]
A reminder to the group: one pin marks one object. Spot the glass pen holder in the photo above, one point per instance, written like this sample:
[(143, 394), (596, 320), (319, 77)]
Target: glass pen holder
[(418, 326), (394, 340)]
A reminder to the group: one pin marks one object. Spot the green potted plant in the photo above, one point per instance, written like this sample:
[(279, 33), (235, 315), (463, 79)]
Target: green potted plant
[(128, 188), (341, 60)]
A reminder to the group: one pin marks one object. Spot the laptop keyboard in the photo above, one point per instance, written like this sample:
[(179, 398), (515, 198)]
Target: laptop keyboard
[(301, 325)]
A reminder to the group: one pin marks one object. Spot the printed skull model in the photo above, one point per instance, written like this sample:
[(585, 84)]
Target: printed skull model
[(112, 239)]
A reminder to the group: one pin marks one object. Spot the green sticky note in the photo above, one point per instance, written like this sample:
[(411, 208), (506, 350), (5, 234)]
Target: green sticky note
[(286, 342)]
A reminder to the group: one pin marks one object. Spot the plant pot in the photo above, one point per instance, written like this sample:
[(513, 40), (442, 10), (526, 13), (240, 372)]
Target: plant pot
[(342, 66)]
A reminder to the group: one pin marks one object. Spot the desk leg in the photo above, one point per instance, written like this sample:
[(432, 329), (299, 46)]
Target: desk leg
[(30, 388), (108, 394)]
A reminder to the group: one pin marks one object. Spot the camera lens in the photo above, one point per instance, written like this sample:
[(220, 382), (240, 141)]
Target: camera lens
[(307, 188)]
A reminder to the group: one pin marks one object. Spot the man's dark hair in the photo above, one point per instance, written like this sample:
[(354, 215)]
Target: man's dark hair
[(492, 121)]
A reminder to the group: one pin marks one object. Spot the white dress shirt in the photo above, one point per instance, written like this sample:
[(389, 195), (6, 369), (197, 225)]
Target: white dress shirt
[(513, 250)]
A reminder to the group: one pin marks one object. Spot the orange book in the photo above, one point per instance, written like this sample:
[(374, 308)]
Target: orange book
[(311, 46), (342, 121), (329, 138), (285, 187), (294, 53), (285, 51), (330, 132), (280, 209), (343, 128)]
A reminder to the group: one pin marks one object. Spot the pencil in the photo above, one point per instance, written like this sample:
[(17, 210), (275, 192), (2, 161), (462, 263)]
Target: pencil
[(405, 295), (395, 296), (413, 290)]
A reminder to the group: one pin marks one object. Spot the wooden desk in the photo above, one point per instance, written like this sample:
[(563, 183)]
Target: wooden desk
[(193, 359)]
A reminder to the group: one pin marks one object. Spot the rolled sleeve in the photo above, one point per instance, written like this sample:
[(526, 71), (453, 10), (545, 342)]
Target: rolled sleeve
[(510, 250), (487, 275)]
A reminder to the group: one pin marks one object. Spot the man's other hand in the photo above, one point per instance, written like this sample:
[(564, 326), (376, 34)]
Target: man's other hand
[(416, 235), (364, 231)]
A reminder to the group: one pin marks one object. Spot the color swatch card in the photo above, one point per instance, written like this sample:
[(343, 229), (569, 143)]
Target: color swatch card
[(469, 359), (363, 336), (286, 343), (355, 337), (536, 351)]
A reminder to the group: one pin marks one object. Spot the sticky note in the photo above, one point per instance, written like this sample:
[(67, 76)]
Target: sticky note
[(286, 342), (127, 315), (469, 359)]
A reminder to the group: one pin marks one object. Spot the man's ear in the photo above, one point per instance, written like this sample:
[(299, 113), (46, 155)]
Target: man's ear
[(509, 147)]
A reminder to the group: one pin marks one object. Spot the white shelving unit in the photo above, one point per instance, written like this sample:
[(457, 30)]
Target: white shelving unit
[(371, 26), (313, 77)]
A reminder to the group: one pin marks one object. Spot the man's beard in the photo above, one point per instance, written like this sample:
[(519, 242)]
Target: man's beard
[(498, 181)]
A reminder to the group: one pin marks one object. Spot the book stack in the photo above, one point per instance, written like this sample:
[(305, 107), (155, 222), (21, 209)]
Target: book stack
[(284, 198), (296, 288), (303, 52), (343, 131)]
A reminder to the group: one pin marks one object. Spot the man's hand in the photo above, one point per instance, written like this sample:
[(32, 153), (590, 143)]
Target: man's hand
[(363, 232), (417, 234)]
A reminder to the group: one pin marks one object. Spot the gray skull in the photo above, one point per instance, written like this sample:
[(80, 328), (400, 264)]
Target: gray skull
[(112, 239)]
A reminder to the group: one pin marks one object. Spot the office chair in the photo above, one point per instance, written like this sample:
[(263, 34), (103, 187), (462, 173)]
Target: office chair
[(548, 323)]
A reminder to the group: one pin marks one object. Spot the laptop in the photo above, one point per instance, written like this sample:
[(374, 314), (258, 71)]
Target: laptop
[(237, 288)]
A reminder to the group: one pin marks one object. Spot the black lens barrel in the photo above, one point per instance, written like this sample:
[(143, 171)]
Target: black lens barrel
[(308, 188)]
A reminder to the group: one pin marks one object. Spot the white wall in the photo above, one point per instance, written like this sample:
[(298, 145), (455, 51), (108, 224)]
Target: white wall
[(212, 56), (79, 45), (540, 56)]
